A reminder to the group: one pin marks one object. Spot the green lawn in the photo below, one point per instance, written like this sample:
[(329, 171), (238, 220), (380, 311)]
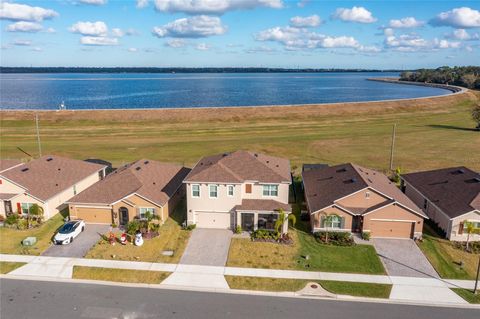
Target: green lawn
[(468, 295), (446, 259), (354, 259), (10, 239), (336, 287), (119, 275), (171, 237), (6, 266), (429, 134)]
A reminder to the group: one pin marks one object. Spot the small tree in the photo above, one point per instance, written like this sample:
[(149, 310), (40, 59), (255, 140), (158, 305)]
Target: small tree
[(281, 220), (470, 229), (469, 80), (476, 115), (328, 219), (396, 175)]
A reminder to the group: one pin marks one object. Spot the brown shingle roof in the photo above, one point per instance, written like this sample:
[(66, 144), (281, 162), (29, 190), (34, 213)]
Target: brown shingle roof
[(6, 164), (455, 190), (49, 175), (262, 205), (153, 180), (241, 166), (324, 186), (7, 196)]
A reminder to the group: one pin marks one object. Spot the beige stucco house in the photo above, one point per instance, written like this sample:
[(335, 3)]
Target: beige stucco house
[(449, 196), (48, 181), (358, 199), (240, 188), (131, 191)]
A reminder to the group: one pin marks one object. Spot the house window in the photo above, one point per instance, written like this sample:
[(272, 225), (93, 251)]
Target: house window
[(142, 212), (248, 188), (213, 191), (230, 190), (475, 224), (367, 195), (334, 222), (195, 190), (270, 190), (267, 221), (26, 208)]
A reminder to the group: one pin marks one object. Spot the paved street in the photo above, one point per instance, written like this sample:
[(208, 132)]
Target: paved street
[(402, 257), (80, 245), (35, 299), (207, 247)]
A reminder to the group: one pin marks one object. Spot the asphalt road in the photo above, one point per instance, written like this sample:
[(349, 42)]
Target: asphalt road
[(51, 300)]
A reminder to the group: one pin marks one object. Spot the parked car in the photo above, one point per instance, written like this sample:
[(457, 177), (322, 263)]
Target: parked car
[(68, 232)]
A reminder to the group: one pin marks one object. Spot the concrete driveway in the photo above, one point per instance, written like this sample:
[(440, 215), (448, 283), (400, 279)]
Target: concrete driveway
[(207, 247), (402, 257), (81, 244)]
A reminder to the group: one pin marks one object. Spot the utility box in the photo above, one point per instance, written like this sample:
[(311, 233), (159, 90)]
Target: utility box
[(29, 241)]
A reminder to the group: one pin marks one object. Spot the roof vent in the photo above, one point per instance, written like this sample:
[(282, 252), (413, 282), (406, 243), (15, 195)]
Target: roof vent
[(256, 155), (138, 168), (277, 165), (154, 183), (49, 159), (341, 170), (25, 169), (474, 180), (56, 184), (146, 162), (458, 171), (350, 181), (268, 162), (224, 154), (59, 169)]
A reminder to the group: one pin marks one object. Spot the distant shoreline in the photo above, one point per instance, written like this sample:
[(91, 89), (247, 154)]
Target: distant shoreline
[(452, 88)]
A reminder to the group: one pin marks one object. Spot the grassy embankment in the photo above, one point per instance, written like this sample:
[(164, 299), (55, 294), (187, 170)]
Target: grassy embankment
[(119, 275)]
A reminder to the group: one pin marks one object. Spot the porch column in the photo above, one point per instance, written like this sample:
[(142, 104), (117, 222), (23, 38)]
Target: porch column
[(255, 221), (238, 218)]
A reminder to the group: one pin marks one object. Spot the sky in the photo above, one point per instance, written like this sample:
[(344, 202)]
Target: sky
[(379, 34)]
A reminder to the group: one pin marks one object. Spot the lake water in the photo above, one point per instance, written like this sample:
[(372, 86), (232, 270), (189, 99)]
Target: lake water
[(127, 91)]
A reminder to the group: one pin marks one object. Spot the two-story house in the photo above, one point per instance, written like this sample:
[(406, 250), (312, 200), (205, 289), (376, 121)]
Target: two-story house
[(357, 199), (48, 181), (238, 189), (449, 196), (130, 192)]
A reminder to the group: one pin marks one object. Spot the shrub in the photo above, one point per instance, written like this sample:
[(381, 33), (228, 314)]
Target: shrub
[(114, 225), (191, 227), (238, 229), (132, 227), (22, 224), (11, 219), (334, 238), (264, 234), (366, 235)]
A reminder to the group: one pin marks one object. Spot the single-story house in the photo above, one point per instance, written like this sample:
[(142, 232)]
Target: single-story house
[(358, 199), (131, 191), (48, 181), (242, 188), (449, 196)]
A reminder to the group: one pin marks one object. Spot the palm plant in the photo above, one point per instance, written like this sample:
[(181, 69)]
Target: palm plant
[(281, 220), (470, 229), (328, 219)]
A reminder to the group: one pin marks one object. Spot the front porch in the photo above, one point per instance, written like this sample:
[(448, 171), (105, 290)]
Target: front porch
[(253, 215)]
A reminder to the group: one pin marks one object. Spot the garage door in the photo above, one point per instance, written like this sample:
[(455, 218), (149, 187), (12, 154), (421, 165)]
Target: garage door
[(213, 220), (93, 215), (393, 229)]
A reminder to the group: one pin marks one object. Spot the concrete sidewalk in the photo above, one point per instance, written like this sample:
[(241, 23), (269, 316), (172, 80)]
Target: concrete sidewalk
[(414, 289)]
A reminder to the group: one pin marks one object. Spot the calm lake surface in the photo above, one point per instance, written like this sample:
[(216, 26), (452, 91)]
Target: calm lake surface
[(128, 91)]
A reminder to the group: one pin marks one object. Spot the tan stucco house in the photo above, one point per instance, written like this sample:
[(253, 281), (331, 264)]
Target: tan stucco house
[(240, 188), (48, 181), (131, 191), (449, 196), (359, 200)]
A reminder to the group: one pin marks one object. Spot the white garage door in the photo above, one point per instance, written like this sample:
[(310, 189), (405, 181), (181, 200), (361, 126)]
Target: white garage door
[(213, 220)]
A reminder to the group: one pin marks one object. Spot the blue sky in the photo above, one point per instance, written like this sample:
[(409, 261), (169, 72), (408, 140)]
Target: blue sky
[(239, 33)]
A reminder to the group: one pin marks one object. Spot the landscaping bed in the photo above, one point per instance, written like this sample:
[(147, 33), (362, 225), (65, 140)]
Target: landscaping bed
[(7, 266), (293, 285), (11, 238), (119, 275), (449, 261)]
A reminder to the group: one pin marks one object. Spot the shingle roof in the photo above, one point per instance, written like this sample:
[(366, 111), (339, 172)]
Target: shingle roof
[(6, 164), (455, 190), (49, 175), (262, 205), (324, 186), (241, 166), (152, 180), (7, 196)]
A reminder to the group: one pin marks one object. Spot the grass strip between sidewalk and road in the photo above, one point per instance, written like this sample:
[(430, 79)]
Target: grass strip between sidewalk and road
[(119, 275), (468, 295), (292, 285), (7, 266)]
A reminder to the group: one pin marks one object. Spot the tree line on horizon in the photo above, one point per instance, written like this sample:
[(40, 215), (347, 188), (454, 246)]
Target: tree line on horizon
[(465, 76)]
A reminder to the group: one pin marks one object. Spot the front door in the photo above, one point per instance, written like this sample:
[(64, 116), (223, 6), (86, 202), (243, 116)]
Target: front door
[(8, 207), (247, 221), (123, 212)]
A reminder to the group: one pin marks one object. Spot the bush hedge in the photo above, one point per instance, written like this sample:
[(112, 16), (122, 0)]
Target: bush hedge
[(334, 238)]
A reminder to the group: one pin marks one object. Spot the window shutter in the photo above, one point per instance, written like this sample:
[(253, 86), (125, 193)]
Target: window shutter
[(248, 188), (342, 223), (460, 228), (322, 222), (19, 208)]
